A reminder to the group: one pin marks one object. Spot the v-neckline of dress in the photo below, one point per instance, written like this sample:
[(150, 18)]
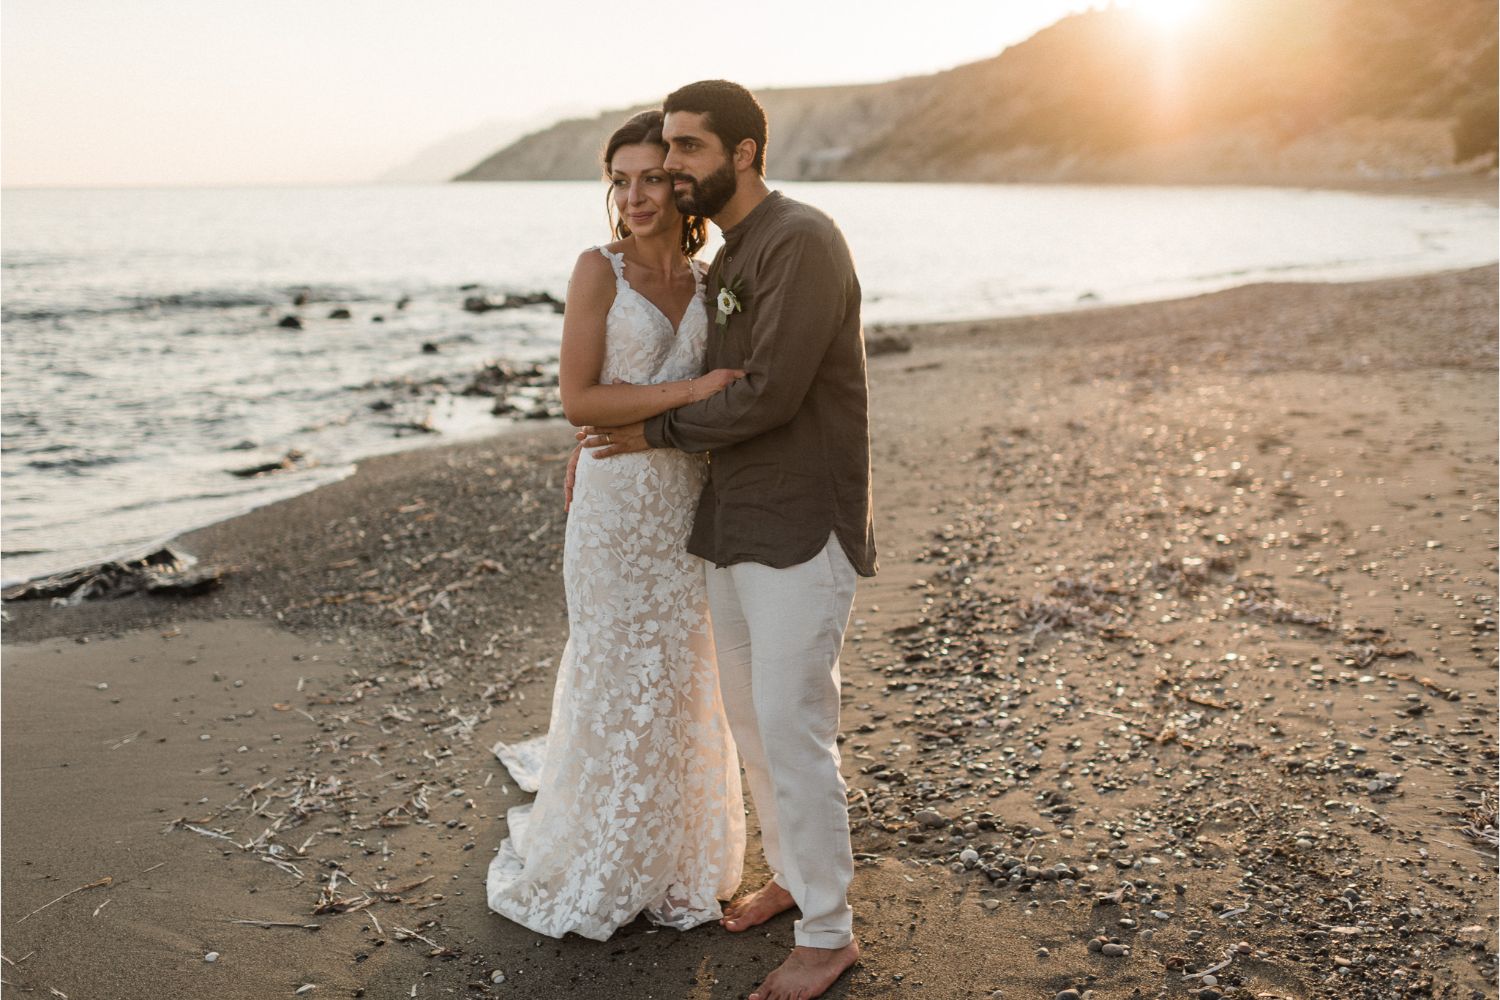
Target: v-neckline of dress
[(686, 312)]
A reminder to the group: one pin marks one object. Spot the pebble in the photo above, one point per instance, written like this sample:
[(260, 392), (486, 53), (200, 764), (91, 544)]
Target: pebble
[(497, 976), (1069, 995), (1113, 950), (212, 956), (1043, 953), (931, 818)]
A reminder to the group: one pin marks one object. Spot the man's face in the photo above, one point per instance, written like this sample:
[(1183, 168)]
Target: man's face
[(703, 177)]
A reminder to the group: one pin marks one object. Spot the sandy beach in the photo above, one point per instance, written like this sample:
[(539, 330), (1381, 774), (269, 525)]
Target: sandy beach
[(1178, 680)]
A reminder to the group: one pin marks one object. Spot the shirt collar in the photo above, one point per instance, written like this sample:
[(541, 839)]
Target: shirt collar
[(737, 232)]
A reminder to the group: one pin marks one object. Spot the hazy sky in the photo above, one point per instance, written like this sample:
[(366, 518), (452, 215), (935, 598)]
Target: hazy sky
[(191, 92)]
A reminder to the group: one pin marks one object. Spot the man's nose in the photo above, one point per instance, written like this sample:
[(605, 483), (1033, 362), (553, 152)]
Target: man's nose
[(670, 164)]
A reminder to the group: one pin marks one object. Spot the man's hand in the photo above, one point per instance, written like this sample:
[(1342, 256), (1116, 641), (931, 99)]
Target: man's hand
[(603, 442), (569, 479)]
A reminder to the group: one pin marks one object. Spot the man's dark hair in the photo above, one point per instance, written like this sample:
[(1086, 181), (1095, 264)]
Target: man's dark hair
[(730, 111)]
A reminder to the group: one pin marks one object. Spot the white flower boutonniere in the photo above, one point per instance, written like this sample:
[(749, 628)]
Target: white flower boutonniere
[(728, 302)]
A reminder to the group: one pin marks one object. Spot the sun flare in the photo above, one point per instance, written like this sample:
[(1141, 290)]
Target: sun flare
[(1168, 13)]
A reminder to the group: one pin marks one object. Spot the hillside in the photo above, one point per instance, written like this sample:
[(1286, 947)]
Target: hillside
[(1249, 90), (813, 129)]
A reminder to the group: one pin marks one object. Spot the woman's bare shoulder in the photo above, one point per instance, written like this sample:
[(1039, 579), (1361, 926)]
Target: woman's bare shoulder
[(594, 268)]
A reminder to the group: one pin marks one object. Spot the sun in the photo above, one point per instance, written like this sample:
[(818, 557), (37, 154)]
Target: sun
[(1168, 13)]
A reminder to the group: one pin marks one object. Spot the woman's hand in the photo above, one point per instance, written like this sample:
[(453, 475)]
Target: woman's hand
[(715, 382)]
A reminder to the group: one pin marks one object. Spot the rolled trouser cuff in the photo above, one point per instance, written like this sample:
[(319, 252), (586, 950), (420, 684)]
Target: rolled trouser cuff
[(831, 940)]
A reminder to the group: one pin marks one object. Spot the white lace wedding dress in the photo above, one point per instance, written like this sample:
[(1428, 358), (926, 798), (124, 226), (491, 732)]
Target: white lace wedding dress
[(638, 806)]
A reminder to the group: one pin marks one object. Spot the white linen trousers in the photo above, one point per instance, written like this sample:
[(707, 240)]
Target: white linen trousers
[(778, 634)]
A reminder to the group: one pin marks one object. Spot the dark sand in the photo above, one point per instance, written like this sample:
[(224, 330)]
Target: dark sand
[(1189, 606)]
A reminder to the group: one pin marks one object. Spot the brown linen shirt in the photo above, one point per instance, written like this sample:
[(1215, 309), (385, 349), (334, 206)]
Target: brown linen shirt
[(789, 444)]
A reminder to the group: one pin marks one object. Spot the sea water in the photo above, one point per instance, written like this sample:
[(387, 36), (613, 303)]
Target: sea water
[(143, 360)]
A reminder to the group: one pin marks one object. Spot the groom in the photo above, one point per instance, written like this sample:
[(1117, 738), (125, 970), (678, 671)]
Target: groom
[(785, 520)]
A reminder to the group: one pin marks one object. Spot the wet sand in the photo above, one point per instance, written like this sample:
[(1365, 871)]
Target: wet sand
[(1185, 629)]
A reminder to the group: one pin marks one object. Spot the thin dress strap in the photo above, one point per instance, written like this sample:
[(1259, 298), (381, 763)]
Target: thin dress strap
[(616, 261), (699, 272)]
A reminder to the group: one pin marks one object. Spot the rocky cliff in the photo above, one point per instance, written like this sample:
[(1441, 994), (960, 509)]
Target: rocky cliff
[(1247, 90)]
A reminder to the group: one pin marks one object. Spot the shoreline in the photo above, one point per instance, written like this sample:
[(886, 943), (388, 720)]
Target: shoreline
[(1471, 188), (1136, 569)]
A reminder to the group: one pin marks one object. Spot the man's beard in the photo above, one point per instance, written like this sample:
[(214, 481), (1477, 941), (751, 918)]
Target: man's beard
[(708, 197)]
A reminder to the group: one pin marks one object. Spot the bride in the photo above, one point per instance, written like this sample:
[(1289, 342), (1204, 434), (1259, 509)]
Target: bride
[(638, 807)]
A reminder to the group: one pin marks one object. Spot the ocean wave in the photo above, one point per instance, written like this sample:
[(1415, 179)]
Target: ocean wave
[(73, 463), (199, 300)]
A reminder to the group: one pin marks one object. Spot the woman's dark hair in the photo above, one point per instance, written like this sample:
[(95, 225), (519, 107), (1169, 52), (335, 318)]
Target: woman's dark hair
[(731, 112), (644, 129)]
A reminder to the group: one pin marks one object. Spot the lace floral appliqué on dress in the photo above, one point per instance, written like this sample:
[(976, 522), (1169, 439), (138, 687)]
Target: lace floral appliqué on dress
[(638, 806)]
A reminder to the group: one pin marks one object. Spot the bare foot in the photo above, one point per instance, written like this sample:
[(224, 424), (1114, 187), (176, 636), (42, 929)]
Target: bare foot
[(807, 973), (756, 908)]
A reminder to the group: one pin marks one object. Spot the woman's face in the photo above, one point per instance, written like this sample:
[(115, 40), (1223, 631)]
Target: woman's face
[(643, 190)]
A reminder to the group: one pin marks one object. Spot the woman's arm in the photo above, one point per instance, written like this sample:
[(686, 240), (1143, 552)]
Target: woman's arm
[(591, 292)]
